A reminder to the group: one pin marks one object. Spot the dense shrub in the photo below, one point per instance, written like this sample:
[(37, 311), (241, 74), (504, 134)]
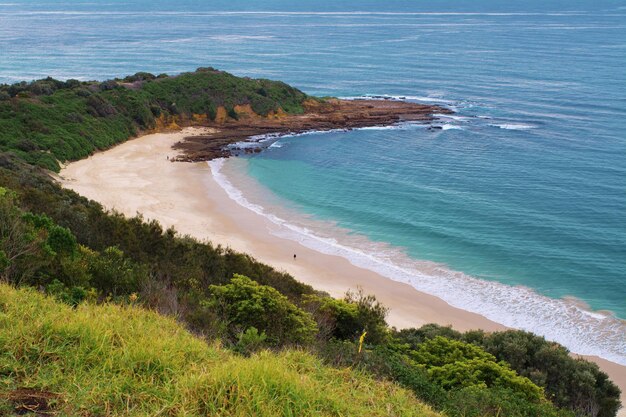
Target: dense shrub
[(112, 273), (350, 317), (574, 384), (453, 364), (243, 304), (22, 244), (139, 76), (477, 400)]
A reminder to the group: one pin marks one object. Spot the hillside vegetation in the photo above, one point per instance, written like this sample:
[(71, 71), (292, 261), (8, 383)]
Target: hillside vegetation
[(253, 324), (113, 360), (48, 121)]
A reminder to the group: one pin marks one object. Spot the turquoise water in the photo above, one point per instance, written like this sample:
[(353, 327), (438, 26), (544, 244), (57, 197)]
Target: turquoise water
[(526, 186)]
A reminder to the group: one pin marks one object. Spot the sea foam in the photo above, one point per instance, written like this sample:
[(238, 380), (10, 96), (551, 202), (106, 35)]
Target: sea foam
[(513, 126)]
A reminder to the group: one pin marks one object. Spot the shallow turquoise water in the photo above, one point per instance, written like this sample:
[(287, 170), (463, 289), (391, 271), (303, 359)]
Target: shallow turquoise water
[(527, 186)]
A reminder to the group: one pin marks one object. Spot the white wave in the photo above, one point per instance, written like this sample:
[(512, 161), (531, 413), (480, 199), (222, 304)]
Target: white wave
[(180, 40), (428, 99), (396, 126), (235, 194), (513, 126), (564, 321), (452, 117), (239, 38), (243, 145), (424, 99), (451, 127), (254, 141), (265, 136)]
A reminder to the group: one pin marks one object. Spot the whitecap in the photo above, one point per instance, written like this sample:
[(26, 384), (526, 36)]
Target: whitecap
[(424, 99), (240, 38), (513, 126), (395, 126), (429, 99), (452, 117)]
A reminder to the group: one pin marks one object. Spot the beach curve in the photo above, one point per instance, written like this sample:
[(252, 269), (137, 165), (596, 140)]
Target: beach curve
[(138, 177)]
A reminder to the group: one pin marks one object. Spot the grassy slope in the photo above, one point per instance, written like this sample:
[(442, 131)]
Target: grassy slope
[(112, 360)]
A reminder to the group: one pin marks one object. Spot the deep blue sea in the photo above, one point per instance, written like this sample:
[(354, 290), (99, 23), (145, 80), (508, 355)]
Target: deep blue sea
[(515, 209)]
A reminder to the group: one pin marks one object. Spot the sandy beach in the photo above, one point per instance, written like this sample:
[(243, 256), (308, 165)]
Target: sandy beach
[(138, 177)]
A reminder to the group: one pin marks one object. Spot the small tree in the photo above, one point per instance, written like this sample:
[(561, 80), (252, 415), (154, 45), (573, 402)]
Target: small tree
[(348, 318), (455, 364), (113, 273), (22, 245), (244, 303), (371, 315)]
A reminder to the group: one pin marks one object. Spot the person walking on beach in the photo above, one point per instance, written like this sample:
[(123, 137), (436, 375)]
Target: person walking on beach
[(294, 256)]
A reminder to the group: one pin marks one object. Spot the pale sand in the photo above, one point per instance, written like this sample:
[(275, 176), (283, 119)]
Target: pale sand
[(136, 177)]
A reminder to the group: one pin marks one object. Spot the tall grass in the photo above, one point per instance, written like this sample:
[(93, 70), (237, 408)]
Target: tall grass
[(109, 360)]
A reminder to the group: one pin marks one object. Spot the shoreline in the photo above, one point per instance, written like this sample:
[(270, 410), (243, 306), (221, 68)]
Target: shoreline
[(136, 177)]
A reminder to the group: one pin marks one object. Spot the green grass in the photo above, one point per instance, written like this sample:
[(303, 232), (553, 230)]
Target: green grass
[(109, 360)]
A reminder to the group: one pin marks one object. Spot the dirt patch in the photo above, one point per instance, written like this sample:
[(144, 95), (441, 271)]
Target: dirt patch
[(29, 401)]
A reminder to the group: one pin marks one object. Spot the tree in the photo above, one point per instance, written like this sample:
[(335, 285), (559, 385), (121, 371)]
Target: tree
[(576, 384), (244, 303), (112, 273), (371, 315), (455, 364), (22, 245), (348, 318)]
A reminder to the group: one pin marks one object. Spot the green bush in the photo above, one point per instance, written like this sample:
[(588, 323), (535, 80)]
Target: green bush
[(574, 384), (72, 296), (348, 318), (570, 383), (112, 273), (232, 113), (22, 244), (250, 341), (477, 401), (454, 364), (394, 363), (243, 304)]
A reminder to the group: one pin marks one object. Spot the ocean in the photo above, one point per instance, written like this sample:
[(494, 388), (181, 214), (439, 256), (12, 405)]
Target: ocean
[(514, 208)]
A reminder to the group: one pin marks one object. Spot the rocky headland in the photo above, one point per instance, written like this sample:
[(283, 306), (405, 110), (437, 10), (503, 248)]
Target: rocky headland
[(319, 115)]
